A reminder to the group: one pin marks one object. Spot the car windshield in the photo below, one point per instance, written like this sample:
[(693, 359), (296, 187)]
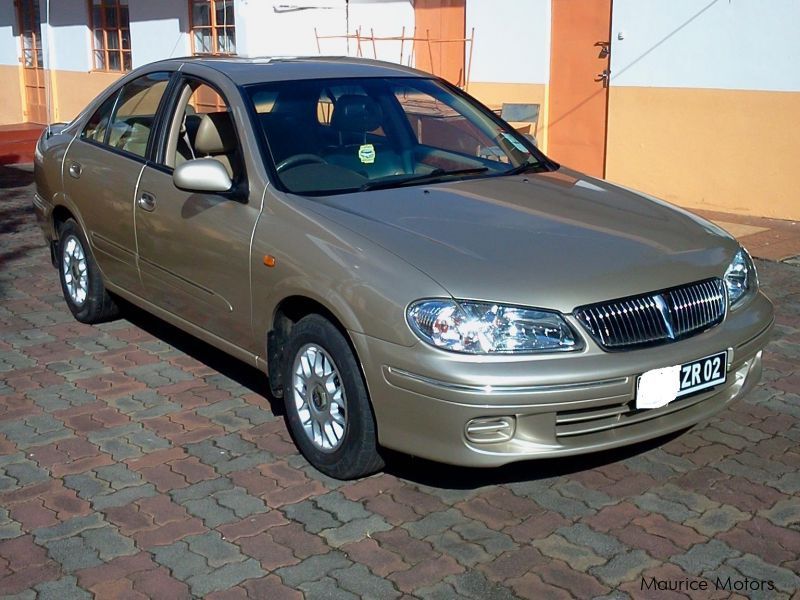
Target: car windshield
[(329, 136)]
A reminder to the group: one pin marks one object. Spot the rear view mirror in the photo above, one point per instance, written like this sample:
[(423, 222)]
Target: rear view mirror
[(202, 175)]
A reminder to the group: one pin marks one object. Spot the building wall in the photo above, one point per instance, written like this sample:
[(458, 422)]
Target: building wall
[(511, 54), (704, 103), (263, 31), (10, 77), (159, 29), (704, 96)]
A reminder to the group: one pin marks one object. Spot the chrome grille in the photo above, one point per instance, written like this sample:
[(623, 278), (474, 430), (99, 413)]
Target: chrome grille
[(655, 318)]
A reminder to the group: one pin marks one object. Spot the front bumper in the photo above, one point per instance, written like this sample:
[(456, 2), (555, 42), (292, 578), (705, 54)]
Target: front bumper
[(553, 405)]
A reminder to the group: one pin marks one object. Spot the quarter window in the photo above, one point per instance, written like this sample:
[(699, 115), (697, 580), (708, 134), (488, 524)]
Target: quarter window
[(111, 35), (97, 126), (213, 27)]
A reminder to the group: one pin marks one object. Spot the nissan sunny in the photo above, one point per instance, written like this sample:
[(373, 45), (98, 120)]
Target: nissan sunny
[(407, 269)]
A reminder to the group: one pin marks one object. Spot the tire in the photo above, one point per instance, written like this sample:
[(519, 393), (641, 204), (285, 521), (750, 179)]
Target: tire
[(81, 280), (333, 426)]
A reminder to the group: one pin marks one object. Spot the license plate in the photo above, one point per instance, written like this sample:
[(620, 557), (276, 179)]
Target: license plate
[(659, 387)]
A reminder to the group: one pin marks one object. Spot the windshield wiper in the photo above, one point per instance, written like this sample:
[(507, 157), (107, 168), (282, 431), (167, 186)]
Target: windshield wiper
[(415, 179), (526, 167)]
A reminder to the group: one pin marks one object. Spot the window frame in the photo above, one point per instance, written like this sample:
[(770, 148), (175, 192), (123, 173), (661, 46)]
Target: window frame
[(107, 32), (168, 110), (212, 27), (153, 140)]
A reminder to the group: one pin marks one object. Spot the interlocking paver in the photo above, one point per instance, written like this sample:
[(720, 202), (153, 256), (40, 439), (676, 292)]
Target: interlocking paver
[(130, 467)]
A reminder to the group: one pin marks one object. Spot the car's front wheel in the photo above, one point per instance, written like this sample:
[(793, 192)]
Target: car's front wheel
[(327, 404), (81, 280)]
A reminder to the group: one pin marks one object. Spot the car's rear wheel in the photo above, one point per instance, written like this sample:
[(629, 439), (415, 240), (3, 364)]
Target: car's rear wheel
[(327, 405), (81, 280)]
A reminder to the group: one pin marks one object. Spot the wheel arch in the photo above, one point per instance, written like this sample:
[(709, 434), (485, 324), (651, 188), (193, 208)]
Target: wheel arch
[(60, 215), (288, 312)]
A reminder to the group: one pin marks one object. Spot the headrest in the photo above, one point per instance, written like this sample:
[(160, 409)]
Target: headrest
[(356, 114), (216, 134)]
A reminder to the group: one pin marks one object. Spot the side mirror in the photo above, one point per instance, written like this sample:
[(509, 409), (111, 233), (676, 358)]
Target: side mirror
[(202, 175)]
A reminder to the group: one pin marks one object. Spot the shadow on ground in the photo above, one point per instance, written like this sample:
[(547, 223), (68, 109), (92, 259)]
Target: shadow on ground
[(418, 470)]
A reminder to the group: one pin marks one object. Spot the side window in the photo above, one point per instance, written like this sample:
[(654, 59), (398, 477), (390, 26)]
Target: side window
[(135, 113), (203, 127), (97, 126)]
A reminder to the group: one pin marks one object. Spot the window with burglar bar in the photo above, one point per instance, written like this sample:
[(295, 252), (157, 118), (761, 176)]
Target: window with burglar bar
[(111, 35), (213, 27)]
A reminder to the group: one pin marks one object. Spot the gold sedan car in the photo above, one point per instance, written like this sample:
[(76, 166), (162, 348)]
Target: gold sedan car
[(408, 270)]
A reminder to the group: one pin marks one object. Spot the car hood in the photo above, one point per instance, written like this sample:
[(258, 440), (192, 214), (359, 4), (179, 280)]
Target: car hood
[(552, 240)]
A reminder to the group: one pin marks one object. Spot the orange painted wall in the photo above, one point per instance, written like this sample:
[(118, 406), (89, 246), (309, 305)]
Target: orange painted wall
[(441, 19), (494, 94), (72, 91), (727, 150), (11, 105)]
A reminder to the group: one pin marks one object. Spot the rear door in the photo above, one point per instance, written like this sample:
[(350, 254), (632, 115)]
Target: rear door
[(102, 168)]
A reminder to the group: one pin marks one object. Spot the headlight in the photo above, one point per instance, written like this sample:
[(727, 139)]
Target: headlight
[(740, 277), (484, 328)]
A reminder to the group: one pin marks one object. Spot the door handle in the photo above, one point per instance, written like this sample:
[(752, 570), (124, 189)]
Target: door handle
[(75, 170), (605, 49), (147, 201), (604, 77)]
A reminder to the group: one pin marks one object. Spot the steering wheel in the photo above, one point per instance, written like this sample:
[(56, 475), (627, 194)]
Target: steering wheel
[(297, 160)]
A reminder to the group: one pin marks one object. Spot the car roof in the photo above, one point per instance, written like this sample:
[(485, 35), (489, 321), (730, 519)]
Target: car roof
[(248, 70)]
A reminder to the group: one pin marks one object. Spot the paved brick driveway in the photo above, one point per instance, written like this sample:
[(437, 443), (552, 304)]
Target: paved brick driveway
[(136, 462)]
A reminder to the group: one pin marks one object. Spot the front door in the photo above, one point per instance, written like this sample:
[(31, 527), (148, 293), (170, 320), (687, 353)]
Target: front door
[(579, 72), (194, 247), (32, 61)]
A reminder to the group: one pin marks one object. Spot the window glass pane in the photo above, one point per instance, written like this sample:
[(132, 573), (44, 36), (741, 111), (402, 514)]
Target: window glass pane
[(111, 17), (127, 61), (202, 41), (223, 43), (201, 15), (113, 40), (100, 60), (205, 103), (124, 19), (98, 124), (224, 14), (114, 63), (99, 40), (133, 120), (97, 17), (126, 39)]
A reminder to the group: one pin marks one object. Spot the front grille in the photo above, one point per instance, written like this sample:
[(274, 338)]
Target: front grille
[(655, 318)]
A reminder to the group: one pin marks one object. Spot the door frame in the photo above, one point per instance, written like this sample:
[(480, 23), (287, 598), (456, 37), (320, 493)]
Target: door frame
[(32, 77), (606, 88)]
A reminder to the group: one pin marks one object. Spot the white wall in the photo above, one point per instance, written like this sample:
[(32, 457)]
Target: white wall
[(9, 43), (724, 44), (66, 40), (263, 31), (159, 30), (512, 40)]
